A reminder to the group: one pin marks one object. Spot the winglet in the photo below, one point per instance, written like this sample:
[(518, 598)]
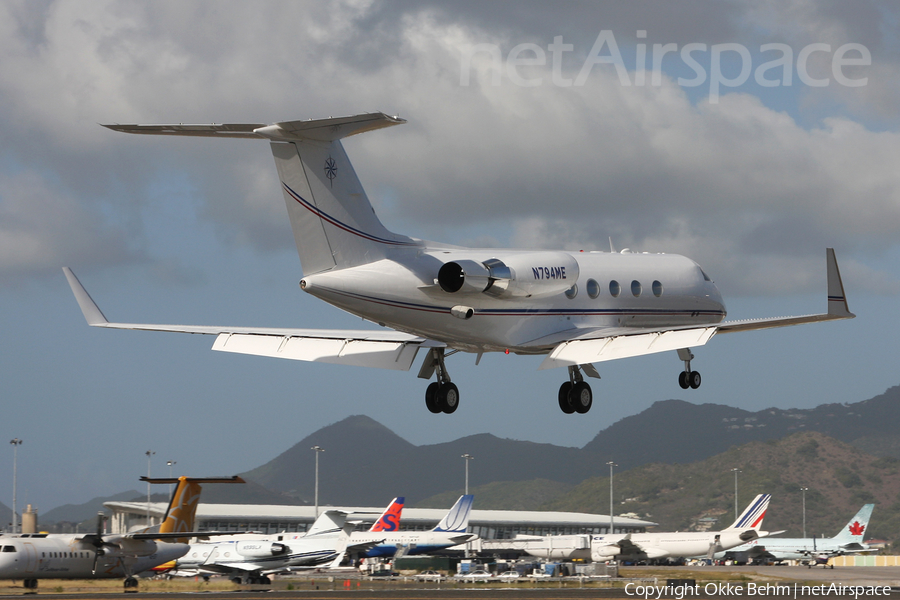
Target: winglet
[(837, 300), (89, 308)]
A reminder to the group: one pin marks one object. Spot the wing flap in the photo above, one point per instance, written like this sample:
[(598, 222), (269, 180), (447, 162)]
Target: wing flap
[(358, 352), (579, 352)]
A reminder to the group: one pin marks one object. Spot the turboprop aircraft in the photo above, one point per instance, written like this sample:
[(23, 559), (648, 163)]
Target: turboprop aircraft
[(643, 546), (34, 556), (849, 540), (576, 308)]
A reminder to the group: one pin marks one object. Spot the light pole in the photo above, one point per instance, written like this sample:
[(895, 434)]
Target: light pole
[(170, 463), (468, 457), (804, 490), (16, 442), (149, 454), (735, 471), (612, 527), (317, 449)]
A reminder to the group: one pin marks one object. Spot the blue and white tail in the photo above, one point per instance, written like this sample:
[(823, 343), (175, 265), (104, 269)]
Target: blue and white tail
[(333, 222), (457, 520), (855, 530), (752, 517)]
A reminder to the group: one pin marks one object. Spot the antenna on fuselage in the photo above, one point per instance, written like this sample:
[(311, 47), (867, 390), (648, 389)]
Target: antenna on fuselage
[(612, 248)]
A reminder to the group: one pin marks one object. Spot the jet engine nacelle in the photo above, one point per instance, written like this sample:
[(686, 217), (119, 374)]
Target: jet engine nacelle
[(602, 553), (260, 549), (525, 274)]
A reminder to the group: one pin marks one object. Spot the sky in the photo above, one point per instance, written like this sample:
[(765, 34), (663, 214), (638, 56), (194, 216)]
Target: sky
[(748, 135)]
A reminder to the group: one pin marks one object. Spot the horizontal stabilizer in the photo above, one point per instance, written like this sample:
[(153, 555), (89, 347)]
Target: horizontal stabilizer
[(320, 130)]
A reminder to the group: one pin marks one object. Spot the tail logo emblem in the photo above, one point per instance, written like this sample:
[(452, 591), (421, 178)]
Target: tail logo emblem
[(857, 529), (330, 170)]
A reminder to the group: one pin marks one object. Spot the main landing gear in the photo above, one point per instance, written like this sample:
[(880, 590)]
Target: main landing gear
[(687, 378), (575, 395), (441, 396)]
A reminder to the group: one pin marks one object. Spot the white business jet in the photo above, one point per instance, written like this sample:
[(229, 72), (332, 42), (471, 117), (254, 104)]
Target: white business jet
[(34, 556), (577, 308)]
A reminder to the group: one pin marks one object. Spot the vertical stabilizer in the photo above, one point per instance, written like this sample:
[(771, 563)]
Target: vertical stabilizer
[(183, 504), (753, 515), (855, 530), (330, 522), (457, 520), (390, 518)]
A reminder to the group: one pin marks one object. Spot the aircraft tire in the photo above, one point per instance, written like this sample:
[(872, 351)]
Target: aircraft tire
[(683, 380), (431, 397), (448, 398), (581, 398), (694, 379), (564, 405), (131, 582)]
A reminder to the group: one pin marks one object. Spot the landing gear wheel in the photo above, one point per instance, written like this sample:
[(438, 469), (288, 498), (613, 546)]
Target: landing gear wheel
[(581, 398), (431, 397), (130, 582), (265, 580), (564, 405), (30, 584), (683, 380), (448, 397), (693, 378)]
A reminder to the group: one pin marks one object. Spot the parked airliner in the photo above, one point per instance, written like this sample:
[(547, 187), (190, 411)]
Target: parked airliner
[(451, 531), (643, 546), (34, 556), (576, 308), (848, 540)]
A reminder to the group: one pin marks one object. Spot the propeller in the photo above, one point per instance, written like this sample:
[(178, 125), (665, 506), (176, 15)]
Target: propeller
[(96, 540)]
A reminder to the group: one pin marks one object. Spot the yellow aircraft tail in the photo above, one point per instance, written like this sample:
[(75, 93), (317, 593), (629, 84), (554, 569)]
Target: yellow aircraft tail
[(183, 504)]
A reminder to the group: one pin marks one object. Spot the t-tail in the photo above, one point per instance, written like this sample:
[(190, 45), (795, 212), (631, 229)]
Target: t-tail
[(330, 523), (753, 515), (390, 518), (333, 221), (183, 504), (457, 520), (855, 530)]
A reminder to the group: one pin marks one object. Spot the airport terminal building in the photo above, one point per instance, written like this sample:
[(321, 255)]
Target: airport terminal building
[(488, 524)]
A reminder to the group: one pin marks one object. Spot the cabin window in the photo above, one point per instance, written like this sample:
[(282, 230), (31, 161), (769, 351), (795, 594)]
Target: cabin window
[(614, 288), (593, 288), (9, 548), (572, 292), (657, 289), (636, 288)]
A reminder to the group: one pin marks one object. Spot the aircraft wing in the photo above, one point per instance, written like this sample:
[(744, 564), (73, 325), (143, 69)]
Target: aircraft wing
[(585, 346), (368, 348)]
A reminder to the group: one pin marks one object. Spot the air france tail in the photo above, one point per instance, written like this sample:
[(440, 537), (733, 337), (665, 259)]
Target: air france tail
[(390, 518), (753, 515), (457, 520), (855, 530)]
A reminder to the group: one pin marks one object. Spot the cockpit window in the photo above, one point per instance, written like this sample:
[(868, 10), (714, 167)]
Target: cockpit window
[(8, 549)]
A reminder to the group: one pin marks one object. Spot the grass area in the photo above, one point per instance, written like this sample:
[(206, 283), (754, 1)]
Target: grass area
[(182, 584)]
